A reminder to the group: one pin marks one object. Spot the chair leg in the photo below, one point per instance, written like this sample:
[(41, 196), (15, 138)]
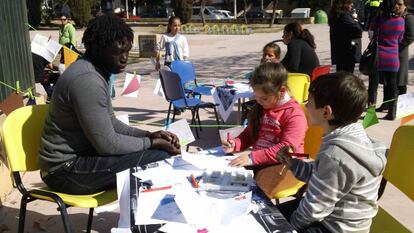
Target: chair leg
[(168, 114), (217, 118), (22, 214), (188, 147), (193, 122), (65, 217), (198, 119), (90, 218)]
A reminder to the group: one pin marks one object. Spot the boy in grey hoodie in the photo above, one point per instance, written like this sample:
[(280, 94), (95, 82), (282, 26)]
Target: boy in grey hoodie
[(343, 181)]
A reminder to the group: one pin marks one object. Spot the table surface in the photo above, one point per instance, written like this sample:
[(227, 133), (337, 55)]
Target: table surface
[(268, 216)]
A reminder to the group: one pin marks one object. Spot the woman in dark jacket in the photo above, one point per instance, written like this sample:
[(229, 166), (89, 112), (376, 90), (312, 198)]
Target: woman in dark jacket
[(301, 56), (345, 36)]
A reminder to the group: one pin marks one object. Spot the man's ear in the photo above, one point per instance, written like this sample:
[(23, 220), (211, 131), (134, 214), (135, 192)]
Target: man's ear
[(327, 113)]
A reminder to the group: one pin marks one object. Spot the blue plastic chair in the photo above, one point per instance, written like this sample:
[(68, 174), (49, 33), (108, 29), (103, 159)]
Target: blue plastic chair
[(186, 71), (175, 95)]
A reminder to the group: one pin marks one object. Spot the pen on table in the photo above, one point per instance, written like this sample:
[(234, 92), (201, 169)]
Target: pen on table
[(194, 181), (50, 36), (281, 171), (156, 189)]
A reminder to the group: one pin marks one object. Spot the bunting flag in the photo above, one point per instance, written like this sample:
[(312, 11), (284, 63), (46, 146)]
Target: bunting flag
[(407, 119), (370, 117), (31, 101), (11, 103), (70, 56), (131, 85)]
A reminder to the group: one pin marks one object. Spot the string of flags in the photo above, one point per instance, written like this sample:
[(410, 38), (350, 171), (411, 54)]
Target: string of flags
[(405, 110)]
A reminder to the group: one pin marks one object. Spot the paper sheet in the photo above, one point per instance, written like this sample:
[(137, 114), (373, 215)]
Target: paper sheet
[(45, 47), (124, 118), (405, 105), (183, 131)]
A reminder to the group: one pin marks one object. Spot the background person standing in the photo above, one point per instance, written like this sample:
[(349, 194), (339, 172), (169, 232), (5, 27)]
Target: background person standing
[(345, 36)]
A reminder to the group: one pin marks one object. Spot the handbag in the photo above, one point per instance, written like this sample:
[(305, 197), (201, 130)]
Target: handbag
[(368, 62)]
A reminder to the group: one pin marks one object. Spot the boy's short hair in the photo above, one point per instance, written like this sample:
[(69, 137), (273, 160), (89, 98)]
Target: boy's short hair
[(344, 93)]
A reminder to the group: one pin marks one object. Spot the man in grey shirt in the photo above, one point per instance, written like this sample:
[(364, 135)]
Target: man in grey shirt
[(83, 145)]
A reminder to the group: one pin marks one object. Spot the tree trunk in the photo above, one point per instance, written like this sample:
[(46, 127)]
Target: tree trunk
[(202, 8), (245, 9), (275, 3)]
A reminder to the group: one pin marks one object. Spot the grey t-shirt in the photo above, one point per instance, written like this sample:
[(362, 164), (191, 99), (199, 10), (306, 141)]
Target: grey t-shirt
[(81, 121)]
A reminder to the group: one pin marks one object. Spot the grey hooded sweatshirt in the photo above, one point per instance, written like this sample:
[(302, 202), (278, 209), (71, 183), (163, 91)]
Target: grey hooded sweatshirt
[(342, 182)]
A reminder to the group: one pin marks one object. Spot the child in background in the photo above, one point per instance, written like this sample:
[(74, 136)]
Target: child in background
[(271, 53), (343, 182), (276, 120), (175, 44)]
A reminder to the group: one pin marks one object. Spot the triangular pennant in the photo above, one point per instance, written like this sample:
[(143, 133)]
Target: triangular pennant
[(31, 101), (11, 103), (407, 119), (131, 86), (370, 118), (70, 56)]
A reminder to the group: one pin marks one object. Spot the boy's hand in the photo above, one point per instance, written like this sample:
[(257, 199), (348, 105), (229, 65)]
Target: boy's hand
[(241, 161), (283, 156), (228, 146)]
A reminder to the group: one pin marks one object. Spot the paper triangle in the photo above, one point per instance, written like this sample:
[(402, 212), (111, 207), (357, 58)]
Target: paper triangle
[(370, 118), (11, 103), (407, 119), (31, 102), (70, 56), (133, 86)]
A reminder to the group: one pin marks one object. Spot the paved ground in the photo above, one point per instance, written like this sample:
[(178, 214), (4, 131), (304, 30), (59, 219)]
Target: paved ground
[(215, 57)]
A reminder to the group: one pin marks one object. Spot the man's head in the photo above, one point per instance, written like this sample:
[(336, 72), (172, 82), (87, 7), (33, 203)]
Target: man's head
[(108, 40), (64, 18), (340, 98)]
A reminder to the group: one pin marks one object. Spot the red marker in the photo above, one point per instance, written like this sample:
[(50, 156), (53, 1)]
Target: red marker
[(156, 189), (194, 181), (298, 155)]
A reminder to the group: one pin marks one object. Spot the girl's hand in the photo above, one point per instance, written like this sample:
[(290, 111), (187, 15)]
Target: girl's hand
[(228, 146), (241, 161)]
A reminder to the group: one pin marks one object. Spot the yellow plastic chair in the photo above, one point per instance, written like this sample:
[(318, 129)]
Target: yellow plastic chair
[(400, 173), (21, 133), (298, 85)]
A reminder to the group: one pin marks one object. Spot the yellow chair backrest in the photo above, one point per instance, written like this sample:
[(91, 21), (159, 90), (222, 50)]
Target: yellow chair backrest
[(313, 137), (298, 85), (21, 133), (400, 160)]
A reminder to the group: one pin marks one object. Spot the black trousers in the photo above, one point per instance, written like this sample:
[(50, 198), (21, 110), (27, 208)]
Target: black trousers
[(91, 174), (287, 209)]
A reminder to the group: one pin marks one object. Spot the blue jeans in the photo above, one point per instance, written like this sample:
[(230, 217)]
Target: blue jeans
[(91, 174)]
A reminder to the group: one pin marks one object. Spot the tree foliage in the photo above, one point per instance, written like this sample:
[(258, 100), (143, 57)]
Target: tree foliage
[(81, 11), (183, 9), (34, 12)]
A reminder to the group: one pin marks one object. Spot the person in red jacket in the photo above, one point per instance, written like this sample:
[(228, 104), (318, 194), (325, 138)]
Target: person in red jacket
[(276, 120)]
